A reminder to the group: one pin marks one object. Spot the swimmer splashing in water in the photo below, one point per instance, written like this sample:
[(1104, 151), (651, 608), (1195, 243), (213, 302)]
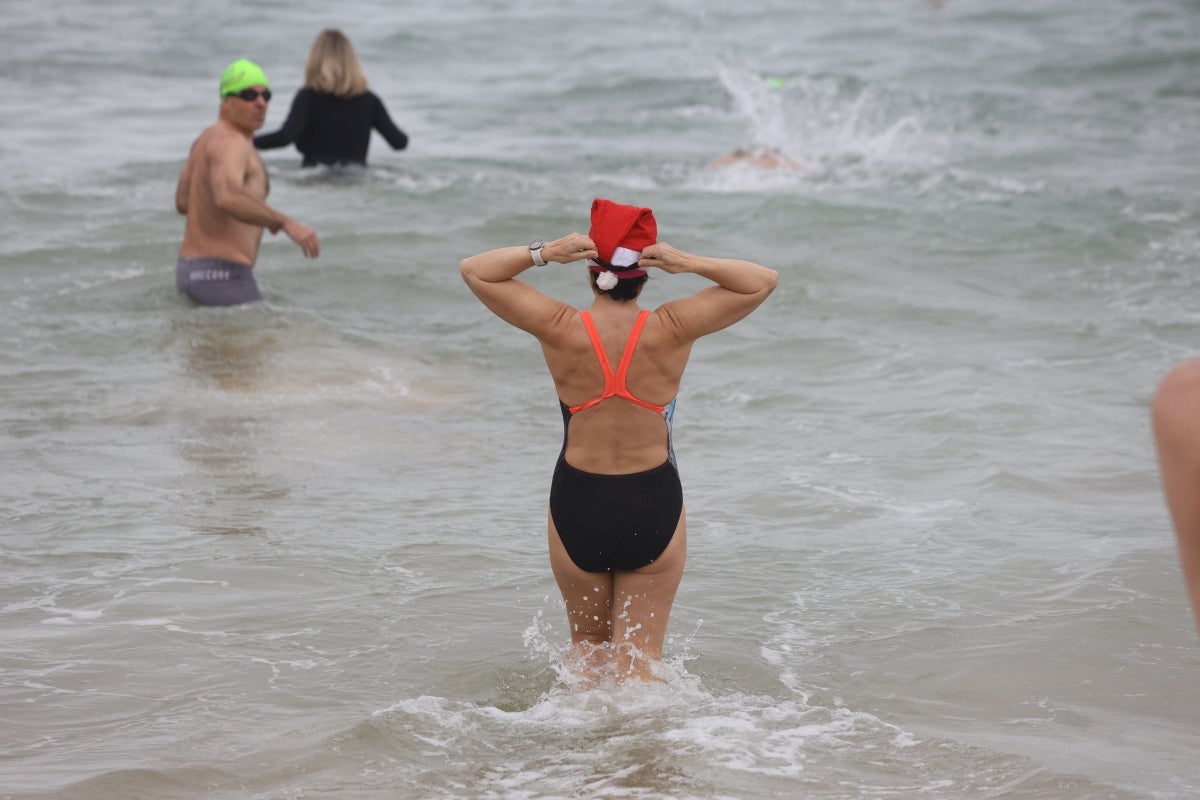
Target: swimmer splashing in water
[(762, 105)]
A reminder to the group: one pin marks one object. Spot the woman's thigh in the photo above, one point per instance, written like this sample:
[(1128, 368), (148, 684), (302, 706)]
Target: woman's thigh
[(587, 595), (642, 599)]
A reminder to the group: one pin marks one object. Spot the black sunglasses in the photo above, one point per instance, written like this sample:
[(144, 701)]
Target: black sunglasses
[(250, 95)]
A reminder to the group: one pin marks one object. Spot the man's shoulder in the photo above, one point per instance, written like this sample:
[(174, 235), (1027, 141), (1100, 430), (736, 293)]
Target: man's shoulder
[(222, 138)]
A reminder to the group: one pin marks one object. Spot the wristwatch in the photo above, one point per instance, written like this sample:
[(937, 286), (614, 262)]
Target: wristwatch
[(535, 250)]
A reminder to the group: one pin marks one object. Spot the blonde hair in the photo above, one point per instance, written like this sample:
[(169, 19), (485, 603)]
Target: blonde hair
[(333, 67)]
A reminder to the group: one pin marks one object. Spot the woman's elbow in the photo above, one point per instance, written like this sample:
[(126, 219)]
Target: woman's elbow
[(770, 280)]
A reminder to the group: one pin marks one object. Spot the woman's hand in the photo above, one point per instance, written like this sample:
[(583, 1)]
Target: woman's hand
[(664, 257), (572, 247)]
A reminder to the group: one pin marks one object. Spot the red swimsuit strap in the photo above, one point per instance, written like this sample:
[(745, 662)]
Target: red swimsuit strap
[(614, 382)]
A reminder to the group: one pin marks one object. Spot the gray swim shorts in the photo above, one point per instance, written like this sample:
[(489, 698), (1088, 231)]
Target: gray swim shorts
[(216, 282)]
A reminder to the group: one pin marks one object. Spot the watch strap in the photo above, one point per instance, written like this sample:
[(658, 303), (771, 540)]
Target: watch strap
[(535, 251)]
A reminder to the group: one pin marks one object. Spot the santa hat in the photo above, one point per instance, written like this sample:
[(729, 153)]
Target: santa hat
[(620, 233)]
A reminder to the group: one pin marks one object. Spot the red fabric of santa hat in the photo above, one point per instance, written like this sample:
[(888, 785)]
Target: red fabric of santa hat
[(621, 232)]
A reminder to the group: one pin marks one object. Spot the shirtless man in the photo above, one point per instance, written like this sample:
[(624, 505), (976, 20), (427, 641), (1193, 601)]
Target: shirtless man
[(222, 191)]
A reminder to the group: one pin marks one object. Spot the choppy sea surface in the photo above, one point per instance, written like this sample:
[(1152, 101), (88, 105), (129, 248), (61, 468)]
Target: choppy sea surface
[(297, 550)]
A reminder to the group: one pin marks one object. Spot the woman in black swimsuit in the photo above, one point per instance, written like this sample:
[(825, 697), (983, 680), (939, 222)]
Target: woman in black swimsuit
[(332, 116), (617, 530)]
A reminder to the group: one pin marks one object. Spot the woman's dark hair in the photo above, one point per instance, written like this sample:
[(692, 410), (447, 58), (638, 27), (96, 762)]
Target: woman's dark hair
[(626, 289)]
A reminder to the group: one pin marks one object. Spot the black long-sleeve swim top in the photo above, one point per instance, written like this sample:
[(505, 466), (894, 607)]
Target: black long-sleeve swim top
[(333, 130)]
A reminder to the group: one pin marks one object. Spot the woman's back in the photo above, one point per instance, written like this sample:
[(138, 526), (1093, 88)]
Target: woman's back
[(328, 129), (616, 435), (338, 130)]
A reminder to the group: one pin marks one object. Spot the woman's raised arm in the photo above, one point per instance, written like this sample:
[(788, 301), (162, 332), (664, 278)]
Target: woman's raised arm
[(741, 287), (492, 277)]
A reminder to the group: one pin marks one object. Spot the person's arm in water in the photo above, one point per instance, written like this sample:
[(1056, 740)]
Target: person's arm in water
[(293, 126), (742, 286), (492, 277), (1176, 418), (382, 122), (183, 186), (228, 166)]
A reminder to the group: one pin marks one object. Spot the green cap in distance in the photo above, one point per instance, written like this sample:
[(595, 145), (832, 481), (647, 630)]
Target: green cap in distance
[(242, 74)]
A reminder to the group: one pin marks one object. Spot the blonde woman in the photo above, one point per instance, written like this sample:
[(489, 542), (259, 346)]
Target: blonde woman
[(332, 115)]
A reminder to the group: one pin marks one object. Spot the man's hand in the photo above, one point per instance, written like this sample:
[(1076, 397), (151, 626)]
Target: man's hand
[(304, 236)]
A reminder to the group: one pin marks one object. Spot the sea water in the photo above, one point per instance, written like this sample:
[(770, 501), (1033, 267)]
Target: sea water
[(297, 549)]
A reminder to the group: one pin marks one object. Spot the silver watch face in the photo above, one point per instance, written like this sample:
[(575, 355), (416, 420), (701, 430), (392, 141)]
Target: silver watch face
[(536, 244)]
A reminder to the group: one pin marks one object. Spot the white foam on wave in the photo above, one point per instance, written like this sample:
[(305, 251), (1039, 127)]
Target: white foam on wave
[(670, 738), (69, 616)]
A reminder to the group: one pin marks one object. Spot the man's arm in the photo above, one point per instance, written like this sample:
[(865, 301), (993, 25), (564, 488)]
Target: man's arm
[(184, 186), (229, 164)]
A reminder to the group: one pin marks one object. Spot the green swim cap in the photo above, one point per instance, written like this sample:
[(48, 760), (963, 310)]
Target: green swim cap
[(242, 74)]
